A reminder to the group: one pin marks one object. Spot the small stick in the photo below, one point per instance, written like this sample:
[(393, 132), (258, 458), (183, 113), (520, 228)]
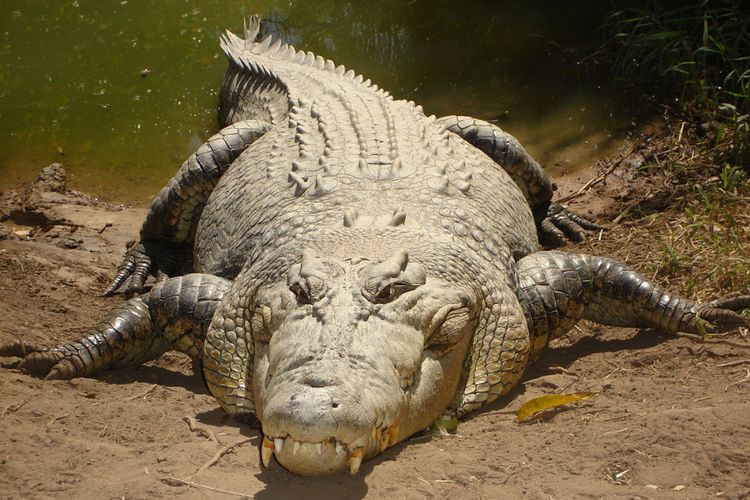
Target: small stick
[(562, 370), (629, 207), (746, 378), (599, 178), (141, 394), (55, 419), (702, 340), (222, 452), (734, 363), (13, 408), (200, 429), (173, 481)]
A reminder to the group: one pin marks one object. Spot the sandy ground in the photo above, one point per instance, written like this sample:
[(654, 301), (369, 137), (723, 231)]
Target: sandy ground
[(670, 419)]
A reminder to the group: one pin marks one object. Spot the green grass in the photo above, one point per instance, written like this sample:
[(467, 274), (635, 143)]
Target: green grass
[(699, 51)]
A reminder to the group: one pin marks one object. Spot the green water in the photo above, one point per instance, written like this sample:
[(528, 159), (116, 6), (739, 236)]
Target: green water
[(71, 88)]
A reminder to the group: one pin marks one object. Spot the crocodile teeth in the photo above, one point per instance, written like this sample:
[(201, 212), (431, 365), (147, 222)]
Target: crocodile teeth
[(296, 447), (278, 443), (266, 451), (355, 460), (393, 434), (339, 447), (384, 439), (319, 448)]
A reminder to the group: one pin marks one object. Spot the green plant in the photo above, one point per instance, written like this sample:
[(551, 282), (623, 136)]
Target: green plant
[(700, 49)]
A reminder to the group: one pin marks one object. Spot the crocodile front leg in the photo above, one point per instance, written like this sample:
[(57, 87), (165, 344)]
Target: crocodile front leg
[(555, 223), (557, 289), (175, 314), (167, 234)]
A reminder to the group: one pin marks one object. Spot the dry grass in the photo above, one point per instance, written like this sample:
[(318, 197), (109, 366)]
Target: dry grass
[(689, 224)]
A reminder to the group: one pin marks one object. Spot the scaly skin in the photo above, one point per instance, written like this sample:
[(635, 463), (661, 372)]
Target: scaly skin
[(368, 268)]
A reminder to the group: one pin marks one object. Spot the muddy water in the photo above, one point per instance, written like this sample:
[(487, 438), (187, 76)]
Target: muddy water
[(72, 84)]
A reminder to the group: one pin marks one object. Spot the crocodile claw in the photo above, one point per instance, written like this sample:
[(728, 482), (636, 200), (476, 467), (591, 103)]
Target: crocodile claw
[(52, 364), (136, 266), (19, 349), (722, 314), (557, 225)]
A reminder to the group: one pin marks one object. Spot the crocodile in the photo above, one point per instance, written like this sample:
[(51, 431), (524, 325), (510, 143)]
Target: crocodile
[(349, 269)]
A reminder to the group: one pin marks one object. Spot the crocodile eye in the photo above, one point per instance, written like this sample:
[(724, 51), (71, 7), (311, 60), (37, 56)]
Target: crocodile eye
[(301, 293), (392, 291), (386, 294)]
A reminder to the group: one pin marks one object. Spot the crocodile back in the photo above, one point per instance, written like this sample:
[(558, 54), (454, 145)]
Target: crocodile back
[(343, 152)]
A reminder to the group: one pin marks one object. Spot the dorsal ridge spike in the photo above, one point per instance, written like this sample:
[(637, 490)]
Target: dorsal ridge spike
[(251, 29), (263, 45), (275, 46), (350, 217), (398, 218)]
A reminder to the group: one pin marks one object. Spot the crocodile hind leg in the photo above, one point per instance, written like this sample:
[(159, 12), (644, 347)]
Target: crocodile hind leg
[(557, 289), (168, 231), (555, 223), (173, 315)]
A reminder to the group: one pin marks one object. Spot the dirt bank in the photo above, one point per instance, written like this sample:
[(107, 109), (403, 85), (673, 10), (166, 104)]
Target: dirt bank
[(670, 419)]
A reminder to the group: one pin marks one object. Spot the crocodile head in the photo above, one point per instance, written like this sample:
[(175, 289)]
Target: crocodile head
[(352, 355)]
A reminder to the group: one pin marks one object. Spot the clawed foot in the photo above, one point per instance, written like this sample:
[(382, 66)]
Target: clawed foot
[(149, 258), (721, 315), (557, 225), (136, 266), (52, 364)]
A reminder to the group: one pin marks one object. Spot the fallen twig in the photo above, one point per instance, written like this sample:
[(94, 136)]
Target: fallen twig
[(734, 363), (630, 207), (562, 370), (55, 419), (200, 429), (599, 178), (142, 394), (699, 338), (174, 481), (13, 408), (222, 452), (746, 378), (425, 481)]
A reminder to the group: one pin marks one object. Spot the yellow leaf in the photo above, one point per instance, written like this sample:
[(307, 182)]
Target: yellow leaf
[(444, 425), (543, 403)]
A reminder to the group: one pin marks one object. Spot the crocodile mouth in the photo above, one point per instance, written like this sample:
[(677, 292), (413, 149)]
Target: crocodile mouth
[(329, 455)]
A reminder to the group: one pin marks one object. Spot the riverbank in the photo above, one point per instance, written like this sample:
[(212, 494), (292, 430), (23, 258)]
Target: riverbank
[(668, 420)]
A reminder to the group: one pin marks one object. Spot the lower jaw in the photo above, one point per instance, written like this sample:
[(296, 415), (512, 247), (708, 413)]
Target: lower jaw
[(317, 459), (329, 456)]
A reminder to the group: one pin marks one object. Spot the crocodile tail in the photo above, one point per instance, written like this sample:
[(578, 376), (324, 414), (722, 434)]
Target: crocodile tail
[(251, 90), (269, 58), (252, 29)]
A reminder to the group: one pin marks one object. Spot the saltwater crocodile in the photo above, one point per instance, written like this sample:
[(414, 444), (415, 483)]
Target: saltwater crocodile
[(350, 270)]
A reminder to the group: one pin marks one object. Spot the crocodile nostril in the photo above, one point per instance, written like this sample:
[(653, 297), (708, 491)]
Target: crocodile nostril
[(335, 404), (319, 381)]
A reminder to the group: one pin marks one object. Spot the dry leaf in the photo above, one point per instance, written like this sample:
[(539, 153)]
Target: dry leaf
[(544, 403), (444, 425)]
